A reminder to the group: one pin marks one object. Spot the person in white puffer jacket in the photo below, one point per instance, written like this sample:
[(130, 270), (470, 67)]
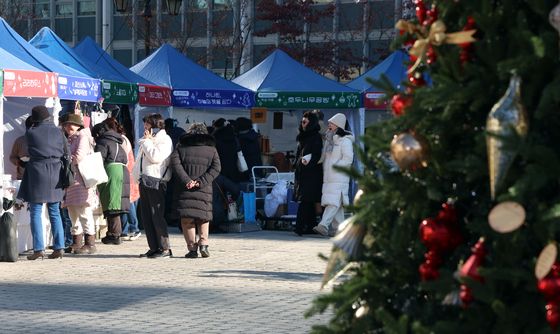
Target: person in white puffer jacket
[(340, 153), (155, 148)]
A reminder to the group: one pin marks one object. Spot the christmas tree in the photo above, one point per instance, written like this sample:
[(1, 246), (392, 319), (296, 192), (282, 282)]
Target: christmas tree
[(455, 229)]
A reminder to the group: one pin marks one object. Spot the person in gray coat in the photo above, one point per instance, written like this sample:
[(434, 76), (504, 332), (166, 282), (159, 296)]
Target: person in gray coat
[(41, 180), (195, 163)]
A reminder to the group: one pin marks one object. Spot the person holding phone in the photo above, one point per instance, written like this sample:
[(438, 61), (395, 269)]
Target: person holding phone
[(155, 147), (308, 174)]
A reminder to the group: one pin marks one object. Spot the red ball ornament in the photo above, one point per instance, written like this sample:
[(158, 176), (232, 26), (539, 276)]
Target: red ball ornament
[(416, 79), (431, 16), (552, 315), (399, 103), (466, 295), (447, 214), (420, 10), (431, 55), (550, 288)]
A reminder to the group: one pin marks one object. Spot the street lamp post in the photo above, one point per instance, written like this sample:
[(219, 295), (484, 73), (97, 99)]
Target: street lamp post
[(121, 5), (147, 18), (173, 7)]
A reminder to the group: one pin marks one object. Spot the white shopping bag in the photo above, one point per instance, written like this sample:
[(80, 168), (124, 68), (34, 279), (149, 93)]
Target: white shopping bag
[(92, 170)]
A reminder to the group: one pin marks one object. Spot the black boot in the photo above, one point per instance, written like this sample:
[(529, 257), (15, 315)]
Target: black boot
[(204, 251)]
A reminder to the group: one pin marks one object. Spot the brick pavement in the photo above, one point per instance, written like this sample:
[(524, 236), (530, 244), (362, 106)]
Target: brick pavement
[(257, 282)]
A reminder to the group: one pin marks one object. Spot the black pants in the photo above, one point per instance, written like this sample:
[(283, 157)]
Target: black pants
[(306, 218), (152, 212)]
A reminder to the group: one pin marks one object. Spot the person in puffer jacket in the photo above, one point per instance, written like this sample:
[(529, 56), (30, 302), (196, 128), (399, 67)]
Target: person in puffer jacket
[(340, 153), (115, 194), (196, 164)]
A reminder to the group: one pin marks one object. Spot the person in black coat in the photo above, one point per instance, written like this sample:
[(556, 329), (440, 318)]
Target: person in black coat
[(227, 182), (46, 145), (308, 172), (115, 194), (249, 143), (195, 163)]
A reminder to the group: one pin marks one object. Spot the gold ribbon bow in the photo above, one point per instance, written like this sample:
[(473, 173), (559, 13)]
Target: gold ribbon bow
[(436, 36)]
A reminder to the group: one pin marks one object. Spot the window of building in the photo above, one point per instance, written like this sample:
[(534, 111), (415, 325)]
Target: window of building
[(63, 8), (42, 9), (86, 8), (198, 4), (222, 4)]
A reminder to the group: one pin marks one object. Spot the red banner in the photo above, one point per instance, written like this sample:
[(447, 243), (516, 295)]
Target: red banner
[(29, 83), (149, 95), (375, 101)]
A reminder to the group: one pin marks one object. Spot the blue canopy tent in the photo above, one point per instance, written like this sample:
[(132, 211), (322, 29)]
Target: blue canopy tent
[(86, 86), (393, 67), (151, 98), (288, 87), (41, 80), (198, 94)]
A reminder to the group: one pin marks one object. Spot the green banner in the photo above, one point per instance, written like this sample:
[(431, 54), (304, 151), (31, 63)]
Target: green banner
[(1, 82), (308, 100), (119, 92)]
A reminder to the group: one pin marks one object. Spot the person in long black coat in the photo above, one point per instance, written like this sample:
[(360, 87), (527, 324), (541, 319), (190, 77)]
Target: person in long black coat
[(308, 174), (115, 194), (41, 180), (249, 143), (195, 163)]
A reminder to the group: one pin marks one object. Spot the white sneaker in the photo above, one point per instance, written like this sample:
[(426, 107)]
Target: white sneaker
[(322, 230), (135, 236)]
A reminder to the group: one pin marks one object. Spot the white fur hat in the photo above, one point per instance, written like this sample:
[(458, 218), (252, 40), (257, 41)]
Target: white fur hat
[(338, 120)]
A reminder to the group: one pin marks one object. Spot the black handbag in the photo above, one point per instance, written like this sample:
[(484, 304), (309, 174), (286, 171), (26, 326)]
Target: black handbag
[(151, 182), (66, 172)]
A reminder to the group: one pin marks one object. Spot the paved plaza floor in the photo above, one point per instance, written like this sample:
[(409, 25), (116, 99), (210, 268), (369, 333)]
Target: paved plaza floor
[(256, 282)]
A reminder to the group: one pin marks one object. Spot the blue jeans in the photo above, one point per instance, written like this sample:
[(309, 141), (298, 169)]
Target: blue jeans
[(130, 220), (35, 210), (67, 224)]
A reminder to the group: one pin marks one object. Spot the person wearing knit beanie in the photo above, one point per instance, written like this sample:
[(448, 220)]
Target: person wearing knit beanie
[(338, 153)]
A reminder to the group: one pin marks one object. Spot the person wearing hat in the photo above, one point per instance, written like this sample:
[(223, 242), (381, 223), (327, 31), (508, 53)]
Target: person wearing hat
[(80, 200), (338, 153), (41, 184), (196, 164)]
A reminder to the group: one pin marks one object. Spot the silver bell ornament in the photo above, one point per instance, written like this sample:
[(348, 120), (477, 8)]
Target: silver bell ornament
[(554, 17), (507, 118)]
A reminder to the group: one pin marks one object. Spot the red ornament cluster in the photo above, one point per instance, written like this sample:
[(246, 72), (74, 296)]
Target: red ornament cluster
[(549, 286), (470, 269), (399, 103), (425, 16), (440, 235), (467, 48)]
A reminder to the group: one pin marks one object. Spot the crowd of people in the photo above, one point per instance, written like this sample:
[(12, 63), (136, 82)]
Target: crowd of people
[(201, 162)]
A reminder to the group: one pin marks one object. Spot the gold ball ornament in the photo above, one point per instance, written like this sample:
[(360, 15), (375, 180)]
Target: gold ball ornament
[(409, 150), (546, 259), (506, 217)]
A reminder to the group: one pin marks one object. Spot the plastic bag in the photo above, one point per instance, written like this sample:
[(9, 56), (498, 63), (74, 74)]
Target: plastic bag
[(249, 207), (8, 234), (280, 192)]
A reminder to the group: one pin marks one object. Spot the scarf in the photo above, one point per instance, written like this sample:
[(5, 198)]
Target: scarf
[(329, 141)]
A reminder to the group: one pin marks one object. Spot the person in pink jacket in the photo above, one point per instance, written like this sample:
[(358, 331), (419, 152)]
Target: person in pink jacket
[(80, 200)]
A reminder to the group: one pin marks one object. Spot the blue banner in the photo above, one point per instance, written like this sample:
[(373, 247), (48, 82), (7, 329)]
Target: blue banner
[(196, 98), (81, 89)]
